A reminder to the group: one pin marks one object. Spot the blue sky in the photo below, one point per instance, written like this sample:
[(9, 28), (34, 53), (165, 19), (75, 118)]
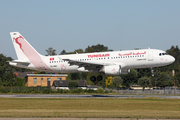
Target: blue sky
[(74, 24)]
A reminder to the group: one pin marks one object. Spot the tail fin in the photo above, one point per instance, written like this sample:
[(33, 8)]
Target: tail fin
[(23, 49), (28, 57)]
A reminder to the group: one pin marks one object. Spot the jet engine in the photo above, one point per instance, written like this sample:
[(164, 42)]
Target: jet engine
[(114, 70)]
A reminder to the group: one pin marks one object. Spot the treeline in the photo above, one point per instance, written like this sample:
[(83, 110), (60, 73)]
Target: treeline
[(48, 90), (7, 76)]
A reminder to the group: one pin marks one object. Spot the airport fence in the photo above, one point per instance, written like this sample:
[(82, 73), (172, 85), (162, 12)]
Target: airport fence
[(24, 89), (47, 90), (162, 91)]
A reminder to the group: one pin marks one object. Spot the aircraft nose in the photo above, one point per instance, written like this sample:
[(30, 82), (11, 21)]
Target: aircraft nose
[(172, 59)]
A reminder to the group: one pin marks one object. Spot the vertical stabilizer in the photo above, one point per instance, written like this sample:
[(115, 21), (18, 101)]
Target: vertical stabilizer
[(26, 53), (23, 49)]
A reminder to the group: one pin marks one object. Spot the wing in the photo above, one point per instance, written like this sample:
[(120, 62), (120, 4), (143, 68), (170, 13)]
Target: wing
[(87, 65)]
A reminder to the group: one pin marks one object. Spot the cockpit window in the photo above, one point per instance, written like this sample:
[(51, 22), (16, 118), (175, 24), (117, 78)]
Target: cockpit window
[(161, 54)]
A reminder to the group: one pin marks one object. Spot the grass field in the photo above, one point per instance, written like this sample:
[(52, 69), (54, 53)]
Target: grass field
[(90, 108)]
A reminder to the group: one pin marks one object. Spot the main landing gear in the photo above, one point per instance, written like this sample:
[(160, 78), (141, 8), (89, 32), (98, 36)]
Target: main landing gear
[(93, 78)]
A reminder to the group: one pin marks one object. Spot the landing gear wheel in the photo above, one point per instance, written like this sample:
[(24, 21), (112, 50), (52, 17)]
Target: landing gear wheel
[(99, 78), (93, 78)]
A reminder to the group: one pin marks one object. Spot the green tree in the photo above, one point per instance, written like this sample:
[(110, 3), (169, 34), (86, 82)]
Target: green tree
[(117, 81), (75, 76), (79, 51), (162, 79), (73, 84), (63, 52), (96, 48), (50, 51), (130, 78), (9, 79), (144, 72), (144, 82), (177, 79), (20, 82)]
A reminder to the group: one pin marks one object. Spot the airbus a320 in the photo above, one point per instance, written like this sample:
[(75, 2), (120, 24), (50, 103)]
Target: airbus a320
[(110, 63)]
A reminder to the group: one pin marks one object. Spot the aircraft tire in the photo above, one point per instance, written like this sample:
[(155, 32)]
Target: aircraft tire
[(93, 78), (99, 78)]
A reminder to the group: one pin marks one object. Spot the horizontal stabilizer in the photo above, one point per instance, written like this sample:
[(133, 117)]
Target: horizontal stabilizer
[(20, 61)]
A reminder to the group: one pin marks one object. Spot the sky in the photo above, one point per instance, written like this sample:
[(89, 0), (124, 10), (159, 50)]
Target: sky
[(76, 24)]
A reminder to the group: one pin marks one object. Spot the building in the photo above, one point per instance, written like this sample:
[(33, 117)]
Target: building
[(137, 87), (34, 80), (60, 84)]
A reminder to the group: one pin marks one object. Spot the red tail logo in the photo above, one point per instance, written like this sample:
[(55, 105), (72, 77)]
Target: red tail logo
[(17, 41)]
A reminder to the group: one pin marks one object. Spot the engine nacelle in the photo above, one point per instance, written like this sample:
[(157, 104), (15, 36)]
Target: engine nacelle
[(114, 70)]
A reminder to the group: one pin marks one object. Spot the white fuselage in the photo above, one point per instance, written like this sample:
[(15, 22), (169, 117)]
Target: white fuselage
[(127, 59)]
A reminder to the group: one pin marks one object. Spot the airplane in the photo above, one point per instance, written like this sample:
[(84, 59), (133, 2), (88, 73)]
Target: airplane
[(110, 63)]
